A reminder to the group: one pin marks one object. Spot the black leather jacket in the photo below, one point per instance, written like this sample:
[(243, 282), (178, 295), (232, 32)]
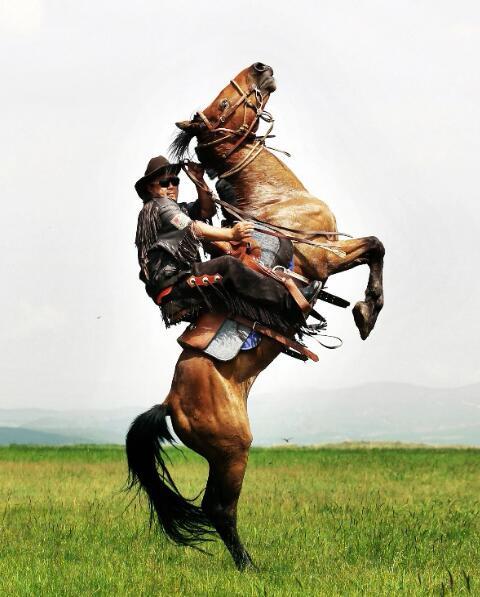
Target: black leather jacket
[(166, 245)]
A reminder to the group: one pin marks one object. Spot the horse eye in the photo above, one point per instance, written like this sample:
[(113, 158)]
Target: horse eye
[(224, 104)]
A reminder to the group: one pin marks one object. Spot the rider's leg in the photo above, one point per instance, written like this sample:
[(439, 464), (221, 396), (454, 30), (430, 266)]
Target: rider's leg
[(244, 292), (252, 286)]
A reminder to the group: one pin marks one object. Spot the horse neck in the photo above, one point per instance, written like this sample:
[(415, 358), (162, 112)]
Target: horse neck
[(262, 182)]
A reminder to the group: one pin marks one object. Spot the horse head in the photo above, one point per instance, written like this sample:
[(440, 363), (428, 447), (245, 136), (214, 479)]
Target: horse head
[(234, 113)]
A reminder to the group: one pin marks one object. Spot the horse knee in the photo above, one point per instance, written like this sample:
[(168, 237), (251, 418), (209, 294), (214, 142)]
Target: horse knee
[(376, 246)]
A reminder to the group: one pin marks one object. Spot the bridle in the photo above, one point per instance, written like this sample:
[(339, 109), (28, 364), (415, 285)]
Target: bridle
[(244, 131)]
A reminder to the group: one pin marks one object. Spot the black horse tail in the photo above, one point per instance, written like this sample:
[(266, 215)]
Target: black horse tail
[(180, 519)]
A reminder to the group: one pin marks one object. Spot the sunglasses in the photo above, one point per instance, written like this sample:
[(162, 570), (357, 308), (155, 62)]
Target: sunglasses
[(174, 180)]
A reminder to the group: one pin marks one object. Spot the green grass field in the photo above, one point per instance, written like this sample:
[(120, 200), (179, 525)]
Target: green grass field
[(328, 521)]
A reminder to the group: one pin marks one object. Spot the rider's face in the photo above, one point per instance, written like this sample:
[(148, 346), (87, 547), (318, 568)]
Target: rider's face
[(158, 189)]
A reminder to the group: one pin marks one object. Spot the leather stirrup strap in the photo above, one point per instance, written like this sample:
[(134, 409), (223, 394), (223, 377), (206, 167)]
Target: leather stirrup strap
[(261, 329), (297, 296), (289, 284)]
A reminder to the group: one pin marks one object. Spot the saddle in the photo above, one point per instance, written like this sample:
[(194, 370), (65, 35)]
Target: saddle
[(222, 337)]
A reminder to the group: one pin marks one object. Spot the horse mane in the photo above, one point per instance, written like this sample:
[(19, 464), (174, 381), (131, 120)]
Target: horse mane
[(178, 148)]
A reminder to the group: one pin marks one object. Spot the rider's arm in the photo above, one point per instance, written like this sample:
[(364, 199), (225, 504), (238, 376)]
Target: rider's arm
[(241, 231), (172, 215), (206, 204)]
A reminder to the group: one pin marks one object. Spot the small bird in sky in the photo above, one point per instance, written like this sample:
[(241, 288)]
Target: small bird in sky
[(287, 439)]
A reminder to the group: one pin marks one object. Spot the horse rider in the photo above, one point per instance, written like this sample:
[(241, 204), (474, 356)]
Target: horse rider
[(168, 238)]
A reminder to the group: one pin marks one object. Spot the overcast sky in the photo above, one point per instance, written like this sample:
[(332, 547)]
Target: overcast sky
[(376, 101)]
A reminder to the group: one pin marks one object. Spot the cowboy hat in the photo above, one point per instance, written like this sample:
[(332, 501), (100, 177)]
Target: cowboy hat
[(156, 166)]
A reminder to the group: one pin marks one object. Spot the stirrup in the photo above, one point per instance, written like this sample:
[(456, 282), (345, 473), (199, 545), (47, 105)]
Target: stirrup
[(312, 291)]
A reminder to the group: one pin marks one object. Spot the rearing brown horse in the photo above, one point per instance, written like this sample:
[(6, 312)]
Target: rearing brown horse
[(207, 402)]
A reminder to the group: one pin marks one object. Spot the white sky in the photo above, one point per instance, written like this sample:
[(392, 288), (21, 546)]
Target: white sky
[(377, 102)]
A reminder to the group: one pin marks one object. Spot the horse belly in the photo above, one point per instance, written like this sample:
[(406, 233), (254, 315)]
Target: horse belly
[(303, 212), (300, 211)]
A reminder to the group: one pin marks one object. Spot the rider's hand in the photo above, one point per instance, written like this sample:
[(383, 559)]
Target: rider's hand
[(195, 169), (242, 231)]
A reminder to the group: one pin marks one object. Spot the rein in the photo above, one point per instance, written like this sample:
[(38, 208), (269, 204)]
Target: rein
[(272, 229)]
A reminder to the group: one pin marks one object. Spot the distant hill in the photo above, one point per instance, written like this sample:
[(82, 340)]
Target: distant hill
[(99, 426), (20, 435), (372, 412)]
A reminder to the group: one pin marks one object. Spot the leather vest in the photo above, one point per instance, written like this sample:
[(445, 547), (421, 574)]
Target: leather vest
[(165, 242)]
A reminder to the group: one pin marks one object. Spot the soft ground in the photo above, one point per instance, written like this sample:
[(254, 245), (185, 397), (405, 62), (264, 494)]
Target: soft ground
[(354, 520)]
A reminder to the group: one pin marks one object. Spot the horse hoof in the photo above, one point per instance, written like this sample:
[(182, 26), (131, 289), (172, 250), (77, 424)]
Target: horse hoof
[(245, 564), (361, 315)]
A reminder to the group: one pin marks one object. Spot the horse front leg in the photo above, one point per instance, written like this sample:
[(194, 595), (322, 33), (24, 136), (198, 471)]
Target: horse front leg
[(359, 251)]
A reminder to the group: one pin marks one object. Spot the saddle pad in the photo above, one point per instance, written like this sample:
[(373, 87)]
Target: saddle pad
[(215, 336), (228, 340), (270, 246)]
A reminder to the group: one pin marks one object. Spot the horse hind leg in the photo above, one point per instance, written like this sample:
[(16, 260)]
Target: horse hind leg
[(210, 417), (359, 251), (220, 502)]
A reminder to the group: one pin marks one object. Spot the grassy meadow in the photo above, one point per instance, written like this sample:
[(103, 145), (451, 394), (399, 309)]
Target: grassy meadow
[(329, 521)]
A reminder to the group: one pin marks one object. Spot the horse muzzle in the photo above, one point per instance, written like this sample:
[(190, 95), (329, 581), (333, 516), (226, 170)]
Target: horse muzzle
[(264, 75), (268, 84)]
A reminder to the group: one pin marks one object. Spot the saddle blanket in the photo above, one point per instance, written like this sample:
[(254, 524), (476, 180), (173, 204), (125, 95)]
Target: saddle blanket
[(230, 339)]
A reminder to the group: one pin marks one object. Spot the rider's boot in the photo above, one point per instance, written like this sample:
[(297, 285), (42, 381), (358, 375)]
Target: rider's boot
[(311, 291)]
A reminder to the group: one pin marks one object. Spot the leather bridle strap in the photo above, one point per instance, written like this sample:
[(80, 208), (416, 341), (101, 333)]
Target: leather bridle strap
[(233, 108), (243, 132), (248, 129)]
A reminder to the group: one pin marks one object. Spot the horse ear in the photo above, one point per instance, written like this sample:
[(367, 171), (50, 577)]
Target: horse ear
[(190, 125)]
